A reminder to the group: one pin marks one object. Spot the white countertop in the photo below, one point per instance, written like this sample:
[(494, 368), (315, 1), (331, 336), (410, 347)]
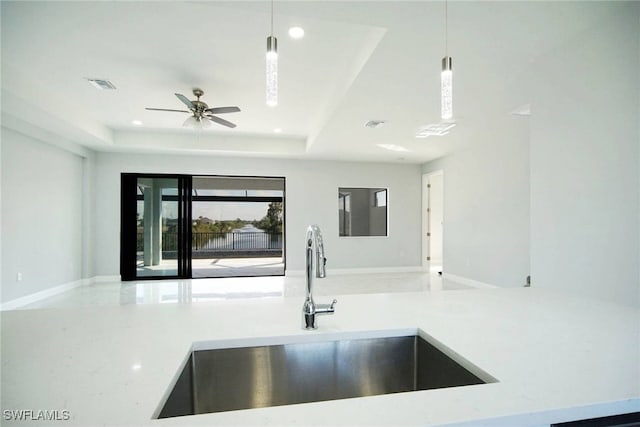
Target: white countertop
[(556, 358)]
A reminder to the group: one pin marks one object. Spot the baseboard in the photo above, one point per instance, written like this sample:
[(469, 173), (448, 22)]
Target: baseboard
[(104, 279), (468, 282), (47, 293), (371, 270)]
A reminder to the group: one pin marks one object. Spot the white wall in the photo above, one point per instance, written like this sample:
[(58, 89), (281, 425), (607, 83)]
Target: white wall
[(584, 162), (486, 204), (311, 197), (577, 158), (41, 215)]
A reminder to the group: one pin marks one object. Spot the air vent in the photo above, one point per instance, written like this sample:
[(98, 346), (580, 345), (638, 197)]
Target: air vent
[(437, 129), (374, 123), (101, 84)]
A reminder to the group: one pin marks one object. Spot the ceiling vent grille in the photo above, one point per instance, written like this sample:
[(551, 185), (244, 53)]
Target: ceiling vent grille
[(374, 123), (101, 84), (438, 129)]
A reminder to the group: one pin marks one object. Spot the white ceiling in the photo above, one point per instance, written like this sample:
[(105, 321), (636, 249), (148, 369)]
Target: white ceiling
[(358, 61)]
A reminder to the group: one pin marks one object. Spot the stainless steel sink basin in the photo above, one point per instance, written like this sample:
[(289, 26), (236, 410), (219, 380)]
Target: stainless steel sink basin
[(254, 377)]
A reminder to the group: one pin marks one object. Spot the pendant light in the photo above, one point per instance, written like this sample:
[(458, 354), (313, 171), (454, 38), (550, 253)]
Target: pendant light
[(272, 66), (446, 77)]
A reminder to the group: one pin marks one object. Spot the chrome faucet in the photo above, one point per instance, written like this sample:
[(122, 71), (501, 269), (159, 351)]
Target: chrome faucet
[(310, 309)]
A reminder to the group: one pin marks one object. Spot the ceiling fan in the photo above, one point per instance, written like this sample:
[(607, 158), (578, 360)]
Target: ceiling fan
[(201, 111)]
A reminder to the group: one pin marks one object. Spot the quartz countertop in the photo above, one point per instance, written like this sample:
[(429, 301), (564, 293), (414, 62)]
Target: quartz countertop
[(556, 358)]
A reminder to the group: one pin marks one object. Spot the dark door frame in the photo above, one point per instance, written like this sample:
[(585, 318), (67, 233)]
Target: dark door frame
[(128, 223)]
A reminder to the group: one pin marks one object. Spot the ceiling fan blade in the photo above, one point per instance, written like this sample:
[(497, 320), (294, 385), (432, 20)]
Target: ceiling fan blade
[(185, 100), (165, 109), (220, 110), (220, 121)]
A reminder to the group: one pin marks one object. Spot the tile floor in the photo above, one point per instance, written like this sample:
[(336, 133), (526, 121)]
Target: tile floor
[(235, 267), (218, 267), (196, 290)]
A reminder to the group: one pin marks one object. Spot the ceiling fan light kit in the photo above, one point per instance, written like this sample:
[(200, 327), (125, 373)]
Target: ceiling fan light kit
[(202, 115), (196, 123)]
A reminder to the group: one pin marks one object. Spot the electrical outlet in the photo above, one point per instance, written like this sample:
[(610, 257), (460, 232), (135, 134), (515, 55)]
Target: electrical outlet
[(19, 277)]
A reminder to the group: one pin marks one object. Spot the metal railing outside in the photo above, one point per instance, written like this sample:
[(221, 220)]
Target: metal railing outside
[(211, 242)]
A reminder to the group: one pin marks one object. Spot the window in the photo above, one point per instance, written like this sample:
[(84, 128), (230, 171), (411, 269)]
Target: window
[(380, 198), (362, 211), (344, 213)]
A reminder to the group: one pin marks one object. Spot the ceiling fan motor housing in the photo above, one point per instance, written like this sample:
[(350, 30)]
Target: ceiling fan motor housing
[(199, 107)]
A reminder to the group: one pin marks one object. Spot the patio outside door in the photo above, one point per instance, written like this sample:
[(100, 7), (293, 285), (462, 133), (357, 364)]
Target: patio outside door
[(154, 210), (183, 226), (237, 226)]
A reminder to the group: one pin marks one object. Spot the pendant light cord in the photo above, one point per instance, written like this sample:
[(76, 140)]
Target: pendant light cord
[(272, 17), (446, 29)]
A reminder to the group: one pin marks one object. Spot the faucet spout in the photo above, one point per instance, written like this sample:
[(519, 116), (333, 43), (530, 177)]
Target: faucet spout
[(315, 265)]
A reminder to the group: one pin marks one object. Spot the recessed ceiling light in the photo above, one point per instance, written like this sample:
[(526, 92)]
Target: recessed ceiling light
[(136, 122), (296, 32), (437, 129), (277, 130), (101, 84), (523, 110), (392, 147)]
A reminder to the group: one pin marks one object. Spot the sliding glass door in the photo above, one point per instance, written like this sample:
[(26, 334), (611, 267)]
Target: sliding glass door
[(183, 226), (238, 226), (155, 209)]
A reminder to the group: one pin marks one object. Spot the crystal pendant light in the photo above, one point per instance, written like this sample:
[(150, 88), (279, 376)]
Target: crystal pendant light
[(446, 77), (272, 66), (446, 89)]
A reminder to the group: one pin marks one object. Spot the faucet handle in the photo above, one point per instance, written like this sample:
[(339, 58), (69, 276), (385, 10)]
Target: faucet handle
[(333, 303)]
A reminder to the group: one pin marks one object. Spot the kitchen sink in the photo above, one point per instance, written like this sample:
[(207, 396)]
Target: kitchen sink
[(229, 379)]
